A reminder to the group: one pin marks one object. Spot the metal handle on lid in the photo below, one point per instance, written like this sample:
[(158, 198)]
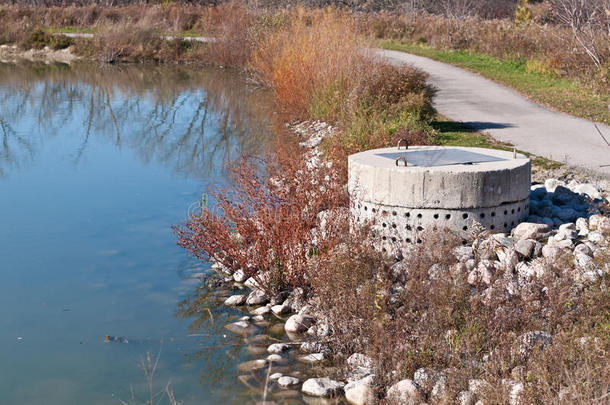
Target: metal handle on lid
[(401, 158), (405, 141)]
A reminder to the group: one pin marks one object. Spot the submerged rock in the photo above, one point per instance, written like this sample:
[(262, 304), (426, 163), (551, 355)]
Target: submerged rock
[(234, 300), (278, 348), (287, 381)]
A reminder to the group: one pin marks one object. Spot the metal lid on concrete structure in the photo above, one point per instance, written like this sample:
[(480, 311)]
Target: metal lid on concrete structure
[(439, 177)]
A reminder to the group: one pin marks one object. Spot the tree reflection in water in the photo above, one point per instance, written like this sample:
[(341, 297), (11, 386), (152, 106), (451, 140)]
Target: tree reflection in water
[(185, 118)]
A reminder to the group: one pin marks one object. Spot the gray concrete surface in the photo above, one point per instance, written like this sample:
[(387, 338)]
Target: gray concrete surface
[(509, 117), (405, 201)]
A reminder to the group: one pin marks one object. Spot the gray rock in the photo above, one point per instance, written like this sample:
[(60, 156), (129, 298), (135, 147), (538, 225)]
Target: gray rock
[(240, 276), (551, 252), (278, 348), (277, 359), (280, 297), (252, 365), (426, 379), (287, 381), (527, 247), (234, 300), (466, 398), (257, 297), (360, 360), (582, 226), (599, 223), (368, 380), (322, 387), (314, 347), (528, 230), (482, 274), (551, 184), (298, 323), (595, 237), (281, 309), (539, 192), (533, 341), (275, 376), (479, 387), (361, 394), (312, 358), (567, 214), (262, 310), (564, 196), (404, 392), (588, 189), (583, 249), (565, 244)]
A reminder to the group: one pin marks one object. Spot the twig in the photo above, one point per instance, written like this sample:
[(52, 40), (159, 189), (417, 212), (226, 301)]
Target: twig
[(600, 134)]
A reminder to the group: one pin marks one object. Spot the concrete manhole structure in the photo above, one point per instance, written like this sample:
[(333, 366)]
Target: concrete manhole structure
[(407, 191)]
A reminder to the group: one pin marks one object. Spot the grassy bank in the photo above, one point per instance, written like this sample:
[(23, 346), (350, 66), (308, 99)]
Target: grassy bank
[(559, 93)]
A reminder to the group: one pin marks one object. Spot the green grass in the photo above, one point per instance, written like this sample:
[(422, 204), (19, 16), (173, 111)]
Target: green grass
[(71, 30), (558, 93), (451, 133)]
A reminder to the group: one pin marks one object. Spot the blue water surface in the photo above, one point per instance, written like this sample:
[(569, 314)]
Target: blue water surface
[(96, 164)]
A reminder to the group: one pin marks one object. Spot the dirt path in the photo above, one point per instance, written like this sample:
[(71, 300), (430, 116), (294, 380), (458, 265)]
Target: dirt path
[(509, 117)]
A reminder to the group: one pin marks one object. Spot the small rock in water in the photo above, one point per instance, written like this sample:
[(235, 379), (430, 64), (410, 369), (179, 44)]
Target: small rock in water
[(322, 387), (261, 310), (275, 376), (281, 309), (277, 359), (241, 327), (252, 365), (298, 323), (279, 348), (233, 300), (287, 381), (257, 297)]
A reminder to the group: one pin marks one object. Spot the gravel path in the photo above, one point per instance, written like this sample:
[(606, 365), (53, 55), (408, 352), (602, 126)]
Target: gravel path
[(509, 117)]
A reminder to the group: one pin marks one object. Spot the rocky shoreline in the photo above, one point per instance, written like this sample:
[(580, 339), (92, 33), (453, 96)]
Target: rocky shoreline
[(568, 221), (12, 53)]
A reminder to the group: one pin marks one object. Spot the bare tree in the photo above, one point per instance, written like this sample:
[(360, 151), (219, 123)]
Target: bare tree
[(588, 20)]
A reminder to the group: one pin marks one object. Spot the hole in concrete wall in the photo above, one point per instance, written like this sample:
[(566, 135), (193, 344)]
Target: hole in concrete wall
[(505, 212), (394, 226), (419, 228), (419, 215), (419, 241), (383, 250), (505, 225), (512, 223), (435, 216), (394, 213), (359, 205), (407, 214), (384, 212), (519, 209), (448, 216), (464, 242), (493, 214), (394, 240), (464, 215), (384, 238), (384, 225), (408, 240), (482, 215), (366, 208), (408, 227), (465, 228), (512, 211), (493, 227), (373, 210)]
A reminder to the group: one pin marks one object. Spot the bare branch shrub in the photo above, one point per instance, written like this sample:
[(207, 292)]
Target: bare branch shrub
[(586, 19)]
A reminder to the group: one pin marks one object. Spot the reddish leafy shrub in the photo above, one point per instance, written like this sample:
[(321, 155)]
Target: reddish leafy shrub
[(271, 222)]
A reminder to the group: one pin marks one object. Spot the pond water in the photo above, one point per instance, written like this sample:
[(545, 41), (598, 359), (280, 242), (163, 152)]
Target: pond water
[(96, 164)]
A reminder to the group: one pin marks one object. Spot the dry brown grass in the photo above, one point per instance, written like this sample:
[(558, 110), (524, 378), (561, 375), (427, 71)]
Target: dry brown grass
[(423, 313), (549, 46)]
